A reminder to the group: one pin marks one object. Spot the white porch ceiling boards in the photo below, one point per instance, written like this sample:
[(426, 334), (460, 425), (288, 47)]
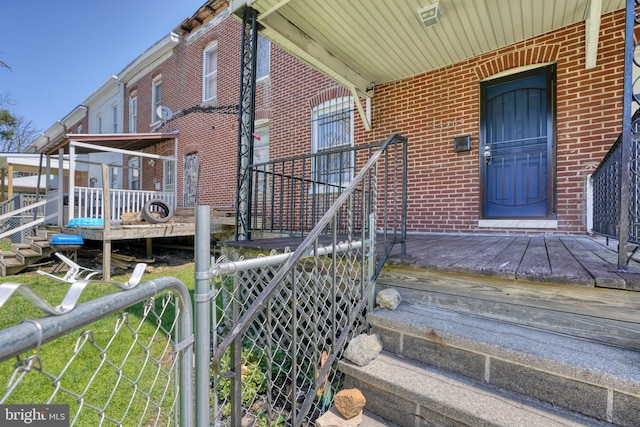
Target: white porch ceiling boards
[(362, 41)]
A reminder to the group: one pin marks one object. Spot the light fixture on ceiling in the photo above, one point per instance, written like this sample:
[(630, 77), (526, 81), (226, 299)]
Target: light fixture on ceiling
[(430, 15)]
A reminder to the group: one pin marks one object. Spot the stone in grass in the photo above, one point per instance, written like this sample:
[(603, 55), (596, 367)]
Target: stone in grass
[(363, 349), (332, 418), (388, 298), (349, 402)]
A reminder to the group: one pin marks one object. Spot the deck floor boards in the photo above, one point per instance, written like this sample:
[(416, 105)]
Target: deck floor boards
[(576, 260)]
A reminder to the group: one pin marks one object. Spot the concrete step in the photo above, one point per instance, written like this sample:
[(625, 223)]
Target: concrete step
[(609, 316), (409, 393), (580, 376), (370, 419)]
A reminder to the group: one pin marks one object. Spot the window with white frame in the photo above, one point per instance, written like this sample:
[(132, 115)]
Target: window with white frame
[(331, 132), (210, 72), (114, 114), (134, 173), (169, 175), (99, 123), (113, 175), (260, 156), (263, 58), (133, 112), (79, 129), (156, 99)]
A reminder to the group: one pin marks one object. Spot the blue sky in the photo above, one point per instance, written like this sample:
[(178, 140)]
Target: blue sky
[(61, 51)]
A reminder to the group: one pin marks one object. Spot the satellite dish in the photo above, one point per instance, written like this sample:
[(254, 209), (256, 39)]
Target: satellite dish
[(164, 113)]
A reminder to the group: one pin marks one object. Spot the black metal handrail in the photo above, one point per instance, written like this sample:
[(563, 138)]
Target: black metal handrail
[(606, 192), (388, 199), (616, 181)]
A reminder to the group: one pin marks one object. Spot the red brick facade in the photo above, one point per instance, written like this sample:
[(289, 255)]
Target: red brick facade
[(430, 109)]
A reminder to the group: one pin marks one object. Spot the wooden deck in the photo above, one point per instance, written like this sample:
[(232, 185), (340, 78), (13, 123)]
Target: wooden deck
[(553, 283), (575, 260)]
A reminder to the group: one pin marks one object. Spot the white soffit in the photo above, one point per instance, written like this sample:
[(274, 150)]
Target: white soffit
[(357, 42)]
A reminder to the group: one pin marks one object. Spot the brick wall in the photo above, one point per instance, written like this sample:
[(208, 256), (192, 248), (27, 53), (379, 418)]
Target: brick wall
[(432, 108), (284, 98)]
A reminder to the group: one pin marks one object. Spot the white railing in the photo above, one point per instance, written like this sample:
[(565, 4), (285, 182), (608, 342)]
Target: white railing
[(90, 201), (20, 222)]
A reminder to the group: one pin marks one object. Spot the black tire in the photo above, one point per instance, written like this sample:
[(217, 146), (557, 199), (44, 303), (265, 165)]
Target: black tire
[(157, 206)]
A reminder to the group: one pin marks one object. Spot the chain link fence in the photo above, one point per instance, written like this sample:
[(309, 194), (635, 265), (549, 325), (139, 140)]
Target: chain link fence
[(310, 315), (124, 359)]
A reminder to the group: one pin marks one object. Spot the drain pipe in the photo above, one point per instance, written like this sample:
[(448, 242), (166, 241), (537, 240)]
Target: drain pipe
[(202, 296)]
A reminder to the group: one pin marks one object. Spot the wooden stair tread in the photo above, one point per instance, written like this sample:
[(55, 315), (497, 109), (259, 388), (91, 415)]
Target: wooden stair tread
[(7, 254), (11, 262), (19, 246)]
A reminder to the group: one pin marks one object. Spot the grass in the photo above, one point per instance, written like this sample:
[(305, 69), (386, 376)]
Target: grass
[(102, 364)]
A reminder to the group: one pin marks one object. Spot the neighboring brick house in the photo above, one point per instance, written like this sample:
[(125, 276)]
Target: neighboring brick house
[(208, 140), (446, 190)]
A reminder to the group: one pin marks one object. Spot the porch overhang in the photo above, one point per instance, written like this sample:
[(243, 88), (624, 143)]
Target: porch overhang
[(360, 42), (126, 143)]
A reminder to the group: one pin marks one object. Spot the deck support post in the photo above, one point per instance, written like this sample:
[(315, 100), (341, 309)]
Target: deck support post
[(246, 123), (106, 217)]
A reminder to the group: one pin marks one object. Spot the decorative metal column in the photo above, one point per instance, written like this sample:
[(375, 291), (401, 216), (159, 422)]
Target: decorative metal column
[(246, 123)]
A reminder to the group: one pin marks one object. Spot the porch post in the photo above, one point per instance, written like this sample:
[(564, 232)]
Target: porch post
[(106, 217), (61, 187), (246, 117), (72, 180), (626, 151)]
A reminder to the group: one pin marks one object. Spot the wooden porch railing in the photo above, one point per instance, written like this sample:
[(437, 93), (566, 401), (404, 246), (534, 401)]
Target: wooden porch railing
[(90, 201)]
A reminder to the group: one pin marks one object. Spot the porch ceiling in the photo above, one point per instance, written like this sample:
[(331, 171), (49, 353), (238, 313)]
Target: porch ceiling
[(357, 42), (120, 141)]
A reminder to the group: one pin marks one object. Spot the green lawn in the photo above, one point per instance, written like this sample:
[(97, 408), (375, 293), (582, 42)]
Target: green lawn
[(102, 365)]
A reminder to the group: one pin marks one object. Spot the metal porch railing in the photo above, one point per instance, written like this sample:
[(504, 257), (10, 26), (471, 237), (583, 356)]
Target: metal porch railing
[(290, 196), (282, 322), (616, 181)]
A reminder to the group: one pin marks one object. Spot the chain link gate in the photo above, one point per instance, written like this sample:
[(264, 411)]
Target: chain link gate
[(121, 359), (312, 314)]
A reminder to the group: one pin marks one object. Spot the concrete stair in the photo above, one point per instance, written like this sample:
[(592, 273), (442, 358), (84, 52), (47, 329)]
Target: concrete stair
[(23, 255), (448, 365)]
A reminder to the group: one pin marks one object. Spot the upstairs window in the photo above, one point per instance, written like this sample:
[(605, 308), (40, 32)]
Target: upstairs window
[(263, 59), (99, 123), (133, 113), (168, 176), (156, 99), (134, 173), (331, 132), (114, 114), (210, 72)]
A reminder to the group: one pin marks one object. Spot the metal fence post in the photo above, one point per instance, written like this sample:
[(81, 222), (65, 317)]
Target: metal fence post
[(372, 259), (203, 314)]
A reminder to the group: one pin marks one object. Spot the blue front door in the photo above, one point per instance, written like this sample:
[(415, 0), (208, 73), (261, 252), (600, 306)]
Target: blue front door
[(516, 150)]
